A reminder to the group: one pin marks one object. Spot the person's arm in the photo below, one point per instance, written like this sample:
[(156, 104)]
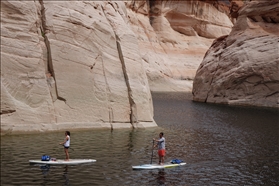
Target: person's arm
[(161, 140), (156, 144), (66, 139), (155, 140)]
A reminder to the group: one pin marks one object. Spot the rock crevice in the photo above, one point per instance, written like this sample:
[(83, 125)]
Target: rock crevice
[(70, 83), (133, 116)]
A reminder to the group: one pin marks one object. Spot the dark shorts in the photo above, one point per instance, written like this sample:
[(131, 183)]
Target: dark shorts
[(66, 147), (161, 152)]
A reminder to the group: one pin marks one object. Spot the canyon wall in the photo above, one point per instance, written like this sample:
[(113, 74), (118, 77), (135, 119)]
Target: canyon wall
[(173, 37), (91, 64), (70, 64), (243, 67)]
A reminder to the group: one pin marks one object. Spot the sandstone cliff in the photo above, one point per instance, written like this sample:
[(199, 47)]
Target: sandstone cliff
[(173, 37), (243, 68), (87, 64), (70, 64)]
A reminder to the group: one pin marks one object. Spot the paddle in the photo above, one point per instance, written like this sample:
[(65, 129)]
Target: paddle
[(152, 152)]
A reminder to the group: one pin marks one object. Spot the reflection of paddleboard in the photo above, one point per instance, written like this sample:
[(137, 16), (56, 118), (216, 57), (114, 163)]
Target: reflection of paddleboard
[(157, 166), (62, 162)]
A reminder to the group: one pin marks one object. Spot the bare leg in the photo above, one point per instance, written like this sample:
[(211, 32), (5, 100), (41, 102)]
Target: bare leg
[(163, 159), (67, 154)]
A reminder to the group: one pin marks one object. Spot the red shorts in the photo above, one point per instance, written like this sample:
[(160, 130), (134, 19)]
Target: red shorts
[(161, 152)]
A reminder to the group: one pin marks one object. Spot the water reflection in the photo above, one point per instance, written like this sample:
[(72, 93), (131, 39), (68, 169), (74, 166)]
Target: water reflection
[(45, 170), (161, 179), (158, 176), (221, 146), (130, 141), (65, 175)]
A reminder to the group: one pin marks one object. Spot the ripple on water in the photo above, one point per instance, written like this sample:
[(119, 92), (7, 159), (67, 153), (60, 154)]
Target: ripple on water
[(221, 145)]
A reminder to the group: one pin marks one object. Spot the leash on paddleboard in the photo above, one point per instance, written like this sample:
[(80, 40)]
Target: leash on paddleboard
[(152, 152)]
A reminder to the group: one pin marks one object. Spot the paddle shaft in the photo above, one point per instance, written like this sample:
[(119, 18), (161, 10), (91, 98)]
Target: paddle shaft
[(152, 152)]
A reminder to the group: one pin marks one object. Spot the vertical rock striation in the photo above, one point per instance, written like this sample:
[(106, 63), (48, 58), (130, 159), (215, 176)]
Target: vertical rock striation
[(173, 37), (133, 70), (70, 64), (25, 98), (243, 68), (87, 64)]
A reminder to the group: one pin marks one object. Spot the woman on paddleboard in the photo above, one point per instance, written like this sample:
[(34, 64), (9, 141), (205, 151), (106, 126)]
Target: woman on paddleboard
[(161, 148), (66, 144)]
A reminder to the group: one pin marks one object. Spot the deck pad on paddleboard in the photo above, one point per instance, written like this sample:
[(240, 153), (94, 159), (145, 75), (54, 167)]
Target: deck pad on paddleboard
[(62, 162), (157, 166)]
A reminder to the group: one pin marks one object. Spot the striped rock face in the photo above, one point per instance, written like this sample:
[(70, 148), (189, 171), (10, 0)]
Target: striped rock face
[(70, 64), (242, 68), (92, 64), (173, 37)]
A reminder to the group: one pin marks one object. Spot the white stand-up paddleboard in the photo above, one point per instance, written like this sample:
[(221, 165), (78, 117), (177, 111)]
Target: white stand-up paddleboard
[(62, 162), (157, 166)]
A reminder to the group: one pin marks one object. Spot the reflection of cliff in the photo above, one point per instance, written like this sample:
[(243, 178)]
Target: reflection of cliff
[(242, 68)]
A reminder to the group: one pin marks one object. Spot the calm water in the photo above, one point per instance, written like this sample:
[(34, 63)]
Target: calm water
[(221, 145)]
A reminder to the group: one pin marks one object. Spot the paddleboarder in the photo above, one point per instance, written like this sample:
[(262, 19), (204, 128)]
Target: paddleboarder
[(161, 147), (66, 144)]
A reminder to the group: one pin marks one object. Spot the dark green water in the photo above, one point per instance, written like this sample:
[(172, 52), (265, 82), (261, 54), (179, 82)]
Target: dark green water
[(221, 145)]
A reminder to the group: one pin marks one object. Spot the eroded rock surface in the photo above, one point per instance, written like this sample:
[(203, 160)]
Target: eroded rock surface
[(68, 64), (243, 68), (87, 64), (173, 37)]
